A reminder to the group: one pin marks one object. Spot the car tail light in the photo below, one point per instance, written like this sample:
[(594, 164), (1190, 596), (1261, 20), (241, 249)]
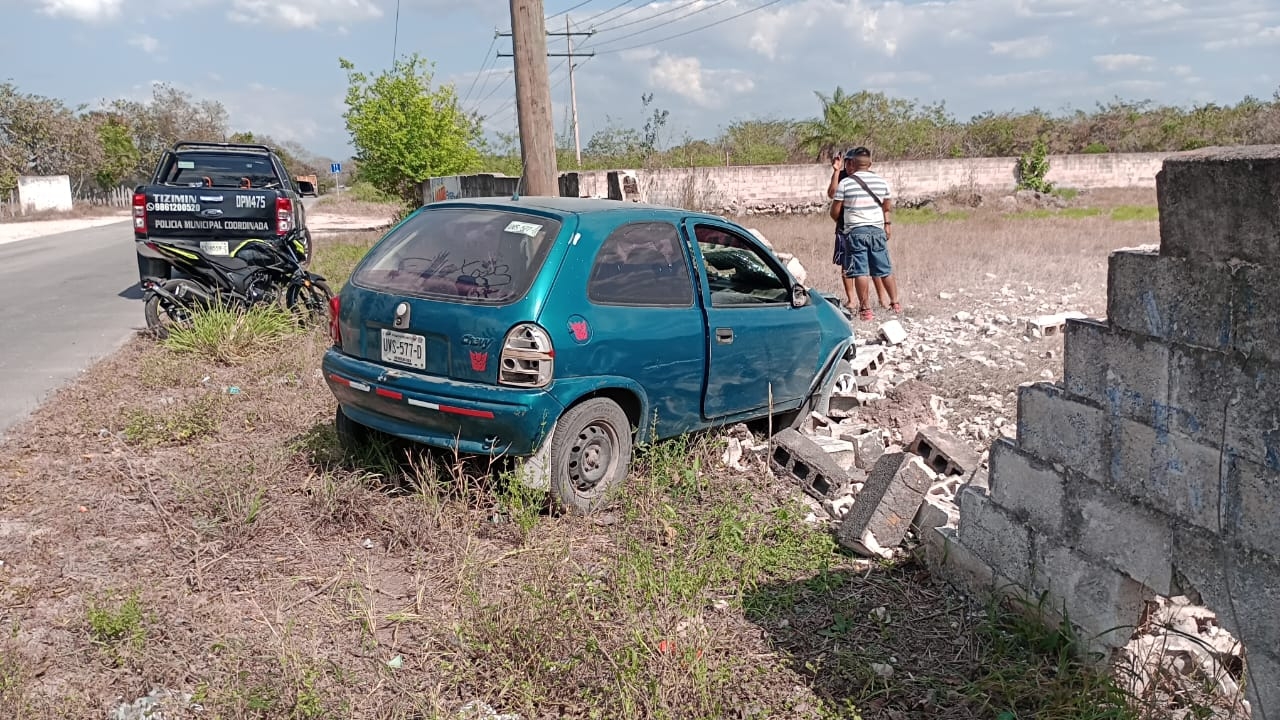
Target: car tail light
[(284, 216), (140, 213), (528, 359), (335, 330)]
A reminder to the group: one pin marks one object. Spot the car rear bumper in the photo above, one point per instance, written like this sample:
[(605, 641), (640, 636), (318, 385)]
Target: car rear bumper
[(469, 417)]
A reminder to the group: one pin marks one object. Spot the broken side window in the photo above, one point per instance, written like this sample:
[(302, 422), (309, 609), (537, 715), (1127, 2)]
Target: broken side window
[(641, 264)]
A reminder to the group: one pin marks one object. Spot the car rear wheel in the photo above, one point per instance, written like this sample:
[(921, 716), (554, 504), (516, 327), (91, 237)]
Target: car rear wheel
[(351, 434), (590, 455)]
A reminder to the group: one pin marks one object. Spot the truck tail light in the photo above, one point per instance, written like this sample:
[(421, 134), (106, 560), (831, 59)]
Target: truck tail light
[(335, 330), (140, 213), (284, 216), (528, 359)]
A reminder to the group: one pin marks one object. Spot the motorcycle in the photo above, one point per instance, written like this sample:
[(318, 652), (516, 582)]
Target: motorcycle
[(253, 272)]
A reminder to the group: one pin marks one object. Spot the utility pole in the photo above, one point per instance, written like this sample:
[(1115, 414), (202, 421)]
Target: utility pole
[(519, 58), (533, 98)]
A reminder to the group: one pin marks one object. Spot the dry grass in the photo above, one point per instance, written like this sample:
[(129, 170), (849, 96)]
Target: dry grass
[(78, 210), (256, 566), (344, 204)]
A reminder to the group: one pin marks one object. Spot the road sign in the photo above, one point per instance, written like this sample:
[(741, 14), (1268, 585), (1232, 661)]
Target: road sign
[(335, 168)]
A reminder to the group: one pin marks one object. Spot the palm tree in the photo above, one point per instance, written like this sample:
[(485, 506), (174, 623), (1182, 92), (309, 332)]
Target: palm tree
[(837, 126)]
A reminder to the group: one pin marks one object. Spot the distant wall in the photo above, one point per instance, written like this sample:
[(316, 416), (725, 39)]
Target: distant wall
[(36, 193)]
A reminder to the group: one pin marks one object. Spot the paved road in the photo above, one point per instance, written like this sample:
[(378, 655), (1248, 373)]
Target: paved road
[(65, 301)]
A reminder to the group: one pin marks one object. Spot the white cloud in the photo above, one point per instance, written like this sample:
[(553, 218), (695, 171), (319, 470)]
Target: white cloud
[(908, 77), (686, 77), (145, 43), (303, 13), (1248, 36), (1181, 70), (85, 10), (1116, 63), (1019, 79), (1023, 48)]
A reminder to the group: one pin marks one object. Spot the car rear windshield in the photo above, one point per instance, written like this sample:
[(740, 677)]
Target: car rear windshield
[(465, 254), (229, 170)]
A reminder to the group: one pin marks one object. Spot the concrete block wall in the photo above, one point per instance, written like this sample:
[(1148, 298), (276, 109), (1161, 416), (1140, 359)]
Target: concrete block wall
[(1154, 467)]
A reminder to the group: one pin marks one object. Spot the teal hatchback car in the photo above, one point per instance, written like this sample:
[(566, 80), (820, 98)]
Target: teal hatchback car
[(558, 331)]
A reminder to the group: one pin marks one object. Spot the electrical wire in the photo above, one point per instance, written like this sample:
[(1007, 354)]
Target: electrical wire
[(395, 38), (674, 8), (686, 32), (575, 7), (482, 67), (615, 7)]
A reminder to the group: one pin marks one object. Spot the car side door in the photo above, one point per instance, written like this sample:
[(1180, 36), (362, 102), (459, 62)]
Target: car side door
[(760, 348)]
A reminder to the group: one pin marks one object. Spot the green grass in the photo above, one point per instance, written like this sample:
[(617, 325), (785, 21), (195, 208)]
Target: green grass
[(336, 262), (116, 624), (176, 424), (1066, 193), (921, 216), (1135, 212), (233, 337), (1042, 213)]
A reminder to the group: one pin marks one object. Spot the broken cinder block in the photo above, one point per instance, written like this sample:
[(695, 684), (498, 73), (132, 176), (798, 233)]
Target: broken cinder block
[(868, 449), (893, 333), (807, 463), (888, 503), (868, 359), (943, 452)]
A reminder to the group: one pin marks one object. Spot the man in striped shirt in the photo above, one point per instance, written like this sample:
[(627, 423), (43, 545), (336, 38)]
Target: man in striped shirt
[(864, 200)]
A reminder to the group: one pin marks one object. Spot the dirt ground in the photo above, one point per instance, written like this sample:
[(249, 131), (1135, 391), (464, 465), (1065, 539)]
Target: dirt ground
[(189, 532)]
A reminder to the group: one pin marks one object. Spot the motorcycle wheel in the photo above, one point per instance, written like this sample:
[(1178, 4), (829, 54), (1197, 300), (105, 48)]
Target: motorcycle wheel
[(309, 303), (162, 315)]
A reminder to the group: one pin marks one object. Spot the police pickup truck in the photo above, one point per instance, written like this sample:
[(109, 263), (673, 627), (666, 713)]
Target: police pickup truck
[(215, 196)]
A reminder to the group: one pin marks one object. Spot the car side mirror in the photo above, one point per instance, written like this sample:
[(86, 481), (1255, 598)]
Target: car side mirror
[(799, 296)]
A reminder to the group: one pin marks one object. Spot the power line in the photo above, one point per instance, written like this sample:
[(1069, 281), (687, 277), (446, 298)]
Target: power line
[(615, 7), (575, 7), (496, 88), (492, 42), (395, 38), (689, 32), (669, 10)]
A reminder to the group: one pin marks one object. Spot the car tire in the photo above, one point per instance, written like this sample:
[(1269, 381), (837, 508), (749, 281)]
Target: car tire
[(840, 380), (351, 434), (590, 455)]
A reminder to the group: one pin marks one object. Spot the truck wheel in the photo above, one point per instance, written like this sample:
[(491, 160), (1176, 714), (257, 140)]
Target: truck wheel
[(590, 455)]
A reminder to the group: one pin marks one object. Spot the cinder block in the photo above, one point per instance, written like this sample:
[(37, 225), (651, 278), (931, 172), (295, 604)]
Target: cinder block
[(943, 452), (1027, 486), (1241, 586), (893, 333), (1263, 684), (949, 559), (1125, 373), (1170, 298), (1253, 415), (887, 504), (868, 359), (1241, 184), (1167, 471), (1252, 516), (995, 535), (1060, 430), (868, 448), (1192, 411), (1105, 605), (936, 511), (805, 462), (1129, 537)]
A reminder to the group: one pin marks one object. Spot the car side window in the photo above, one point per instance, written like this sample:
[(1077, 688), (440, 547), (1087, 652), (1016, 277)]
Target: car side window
[(641, 264), (737, 271)]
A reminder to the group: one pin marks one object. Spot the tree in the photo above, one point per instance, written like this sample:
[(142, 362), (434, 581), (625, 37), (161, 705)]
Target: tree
[(170, 116), (838, 126), (119, 155), (404, 131)]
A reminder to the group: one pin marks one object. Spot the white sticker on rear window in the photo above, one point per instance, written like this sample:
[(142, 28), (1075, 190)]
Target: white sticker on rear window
[(524, 228), (186, 164)]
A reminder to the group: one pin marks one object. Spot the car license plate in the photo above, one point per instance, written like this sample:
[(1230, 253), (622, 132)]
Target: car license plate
[(214, 247), (404, 349)]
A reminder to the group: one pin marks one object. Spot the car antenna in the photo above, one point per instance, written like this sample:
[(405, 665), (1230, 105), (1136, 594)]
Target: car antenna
[(516, 195)]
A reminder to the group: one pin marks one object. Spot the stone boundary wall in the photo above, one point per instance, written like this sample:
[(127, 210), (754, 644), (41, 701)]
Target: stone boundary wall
[(801, 188), (1154, 467)]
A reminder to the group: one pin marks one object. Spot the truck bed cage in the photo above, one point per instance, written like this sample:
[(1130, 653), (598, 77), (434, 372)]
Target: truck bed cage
[(223, 145)]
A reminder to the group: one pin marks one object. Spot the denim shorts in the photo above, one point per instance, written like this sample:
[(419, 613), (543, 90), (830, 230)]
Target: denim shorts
[(863, 251)]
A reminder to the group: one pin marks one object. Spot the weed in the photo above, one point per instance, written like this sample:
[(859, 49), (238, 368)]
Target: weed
[(164, 370), (1032, 168), (117, 625), (1043, 213), (522, 504), (1135, 212), (178, 424), (338, 260), (231, 336), (1066, 193), (920, 216)]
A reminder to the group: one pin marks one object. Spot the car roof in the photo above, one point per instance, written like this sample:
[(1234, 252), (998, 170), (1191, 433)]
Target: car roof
[(570, 206)]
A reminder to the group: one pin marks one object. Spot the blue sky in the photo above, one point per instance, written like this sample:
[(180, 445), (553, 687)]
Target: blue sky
[(766, 62)]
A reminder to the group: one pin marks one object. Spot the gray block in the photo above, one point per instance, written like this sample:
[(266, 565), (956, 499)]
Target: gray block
[(868, 448), (1166, 471), (935, 512), (995, 535), (1253, 415), (1252, 509), (1123, 535), (1125, 373), (806, 463), (1170, 298), (1241, 586), (1027, 486), (1103, 604), (1256, 312), (943, 452), (950, 560), (888, 503), (1241, 184), (1195, 410), (1060, 430), (1263, 682)]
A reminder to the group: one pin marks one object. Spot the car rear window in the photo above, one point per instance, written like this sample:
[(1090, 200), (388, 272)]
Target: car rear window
[(463, 254), (230, 170)]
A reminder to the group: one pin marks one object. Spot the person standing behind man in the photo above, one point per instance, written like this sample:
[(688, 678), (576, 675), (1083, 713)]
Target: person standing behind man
[(842, 168), (864, 200)]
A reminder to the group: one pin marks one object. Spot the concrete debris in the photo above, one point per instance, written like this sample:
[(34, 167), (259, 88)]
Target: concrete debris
[(883, 511), (159, 704), (480, 710), (893, 333), (805, 462), (944, 453)]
